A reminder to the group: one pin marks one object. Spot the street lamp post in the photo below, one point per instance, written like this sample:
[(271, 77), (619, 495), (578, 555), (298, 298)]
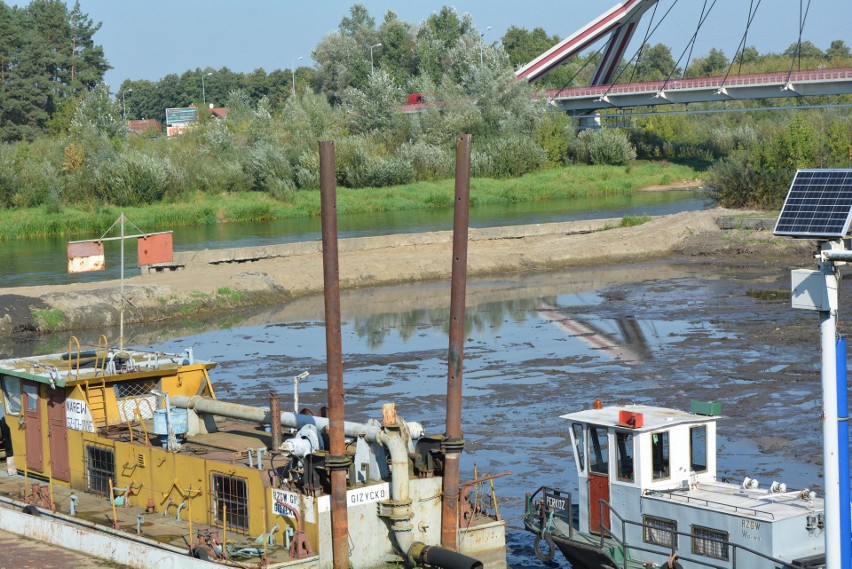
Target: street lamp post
[(371, 57), (293, 69), (123, 103), (203, 92), (481, 36)]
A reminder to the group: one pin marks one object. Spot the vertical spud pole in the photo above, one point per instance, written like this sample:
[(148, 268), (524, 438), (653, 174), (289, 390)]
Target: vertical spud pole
[(453, 442), (337, 461)]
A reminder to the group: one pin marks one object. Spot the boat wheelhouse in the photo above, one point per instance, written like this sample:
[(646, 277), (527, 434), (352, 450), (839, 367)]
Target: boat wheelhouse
[(648, 489)]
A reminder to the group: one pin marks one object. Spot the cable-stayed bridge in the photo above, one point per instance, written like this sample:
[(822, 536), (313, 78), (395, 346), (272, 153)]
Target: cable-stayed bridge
[(618, 26)]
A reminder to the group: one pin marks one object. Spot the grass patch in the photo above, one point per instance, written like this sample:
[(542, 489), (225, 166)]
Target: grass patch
[(634, 220), (48, 318), (202, 209)]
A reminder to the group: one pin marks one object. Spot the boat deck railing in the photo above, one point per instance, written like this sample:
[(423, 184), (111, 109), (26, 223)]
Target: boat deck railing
[(676, 495), (548, 514), (732, 549)]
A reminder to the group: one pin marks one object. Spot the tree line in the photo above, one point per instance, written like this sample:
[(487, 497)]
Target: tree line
[(76, 149)]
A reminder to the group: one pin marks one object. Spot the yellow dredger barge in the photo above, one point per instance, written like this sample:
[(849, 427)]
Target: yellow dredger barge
[(135, 446)]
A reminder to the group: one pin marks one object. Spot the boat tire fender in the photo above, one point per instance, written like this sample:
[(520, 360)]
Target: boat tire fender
[(544, 554), (31, 510)]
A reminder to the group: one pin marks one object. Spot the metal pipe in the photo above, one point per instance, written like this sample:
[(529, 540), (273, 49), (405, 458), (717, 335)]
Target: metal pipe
[(337, 461), (401, 523), (843, 453), (453, 442), (831, 470), (410, 548), (275, 411), (208, 405)]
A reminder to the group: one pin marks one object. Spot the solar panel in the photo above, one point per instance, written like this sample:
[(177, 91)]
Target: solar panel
[(818, 205)]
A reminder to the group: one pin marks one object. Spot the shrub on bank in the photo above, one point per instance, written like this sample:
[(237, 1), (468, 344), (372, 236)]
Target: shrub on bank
[(605, 146), (134, 178)]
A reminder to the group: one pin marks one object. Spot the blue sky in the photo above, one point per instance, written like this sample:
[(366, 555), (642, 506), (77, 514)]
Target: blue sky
[(147, 40)]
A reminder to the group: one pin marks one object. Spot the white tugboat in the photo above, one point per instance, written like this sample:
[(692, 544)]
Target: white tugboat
[(648, 491)]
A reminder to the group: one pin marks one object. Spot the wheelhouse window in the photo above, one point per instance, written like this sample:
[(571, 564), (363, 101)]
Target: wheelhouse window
[(230, 501), (698, 448), (598, 450), (624, 448), (579, 445), (660, 455), (11, 394), (100, 468), (710, 542), (660, 531), (31, 392)]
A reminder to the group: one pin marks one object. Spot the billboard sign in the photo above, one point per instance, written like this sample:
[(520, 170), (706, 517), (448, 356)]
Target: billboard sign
[(181, 115)]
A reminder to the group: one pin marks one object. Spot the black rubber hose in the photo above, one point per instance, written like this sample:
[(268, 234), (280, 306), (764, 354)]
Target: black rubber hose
[(447, 559)]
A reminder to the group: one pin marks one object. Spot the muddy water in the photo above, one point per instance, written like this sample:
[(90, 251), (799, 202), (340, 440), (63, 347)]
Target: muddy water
[(660, 333)]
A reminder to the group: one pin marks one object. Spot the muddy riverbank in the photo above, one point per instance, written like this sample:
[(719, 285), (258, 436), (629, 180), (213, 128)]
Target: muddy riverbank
[(228, 281)]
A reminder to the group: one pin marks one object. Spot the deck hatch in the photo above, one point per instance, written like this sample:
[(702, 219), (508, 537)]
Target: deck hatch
[(100, 468), (230, 493), (710, 542)]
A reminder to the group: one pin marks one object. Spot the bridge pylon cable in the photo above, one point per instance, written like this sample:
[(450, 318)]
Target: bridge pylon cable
[(643, 44), (803, 16), (752, 12), (691, 42), (694, 37), (638, 52)]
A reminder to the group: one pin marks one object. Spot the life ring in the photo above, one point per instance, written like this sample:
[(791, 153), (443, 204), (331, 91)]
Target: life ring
[(545, 556)]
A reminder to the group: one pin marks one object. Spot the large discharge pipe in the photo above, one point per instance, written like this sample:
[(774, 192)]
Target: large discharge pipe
[(409, 547), (210, 406)]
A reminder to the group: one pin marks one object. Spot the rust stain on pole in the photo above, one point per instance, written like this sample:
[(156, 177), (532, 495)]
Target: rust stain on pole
[(331, 280), (454, 443), (275, 416)]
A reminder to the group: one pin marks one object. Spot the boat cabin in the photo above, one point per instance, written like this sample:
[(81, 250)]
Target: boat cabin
[(623, 452), (647, 484)]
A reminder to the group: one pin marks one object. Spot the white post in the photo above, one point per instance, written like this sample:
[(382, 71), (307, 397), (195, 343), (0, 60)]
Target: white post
[(831, 467), (121, 309)]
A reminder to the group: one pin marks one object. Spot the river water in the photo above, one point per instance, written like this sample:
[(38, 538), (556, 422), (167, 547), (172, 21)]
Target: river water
[(539, 346), (44, 261), (662, 333)]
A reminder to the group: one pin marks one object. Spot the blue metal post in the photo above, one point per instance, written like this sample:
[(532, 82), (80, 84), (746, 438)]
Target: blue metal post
[(843, 456)]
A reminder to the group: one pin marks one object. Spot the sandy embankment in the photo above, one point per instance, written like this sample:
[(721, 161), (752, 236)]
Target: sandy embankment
[(285, 272)]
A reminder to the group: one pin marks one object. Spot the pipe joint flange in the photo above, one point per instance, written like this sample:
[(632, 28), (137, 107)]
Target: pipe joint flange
[(395, 510), (341, 462), (452, 446)]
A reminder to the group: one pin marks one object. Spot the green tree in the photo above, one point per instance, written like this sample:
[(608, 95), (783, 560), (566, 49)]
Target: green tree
[(748, 55), (655, 63), (715, 63), (397, 53), (805, 50), (374, 107), (438, 34), (87, 61), (98, 113), (837, 50)]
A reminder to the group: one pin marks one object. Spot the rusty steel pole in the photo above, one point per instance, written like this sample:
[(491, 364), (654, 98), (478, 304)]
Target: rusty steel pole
[(453, 441), (337, 461), (275, 411)]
